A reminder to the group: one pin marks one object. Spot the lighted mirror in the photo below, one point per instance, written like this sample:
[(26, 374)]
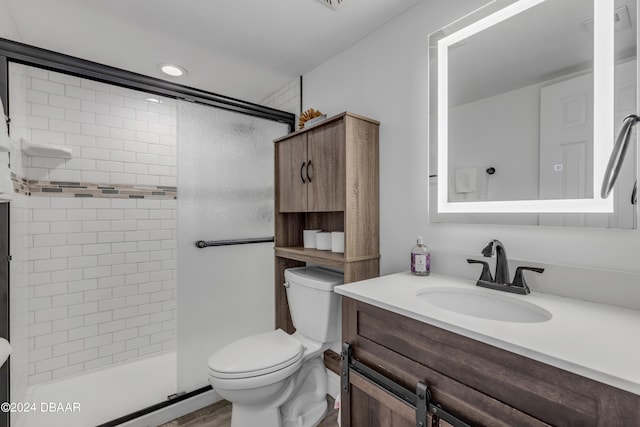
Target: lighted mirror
[(525, 98)]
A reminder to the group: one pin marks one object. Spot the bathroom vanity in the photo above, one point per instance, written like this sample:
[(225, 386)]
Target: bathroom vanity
[(326, 177), (575, 364)]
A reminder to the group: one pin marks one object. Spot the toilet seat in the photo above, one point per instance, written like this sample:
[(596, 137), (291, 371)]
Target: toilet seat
[(256, 355)]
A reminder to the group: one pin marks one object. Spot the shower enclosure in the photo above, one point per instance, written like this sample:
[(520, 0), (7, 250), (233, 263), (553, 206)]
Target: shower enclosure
[(113, 307), (226, 196)]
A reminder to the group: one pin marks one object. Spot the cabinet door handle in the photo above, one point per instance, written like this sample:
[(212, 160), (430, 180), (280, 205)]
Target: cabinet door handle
[(309, 165), (301, 174)]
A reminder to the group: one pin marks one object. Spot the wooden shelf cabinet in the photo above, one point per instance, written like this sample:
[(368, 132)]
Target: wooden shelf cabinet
[(291, 164), (311, 169), (478, 383), (327, 177)]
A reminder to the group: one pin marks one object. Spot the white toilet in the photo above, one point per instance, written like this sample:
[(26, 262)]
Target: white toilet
[(275, 379)]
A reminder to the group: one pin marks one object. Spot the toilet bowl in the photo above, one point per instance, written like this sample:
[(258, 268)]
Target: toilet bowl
[(274, 379)]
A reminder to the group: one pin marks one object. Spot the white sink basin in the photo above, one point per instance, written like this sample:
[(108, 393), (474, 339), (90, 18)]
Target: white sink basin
[(486, 304), (5, 350)]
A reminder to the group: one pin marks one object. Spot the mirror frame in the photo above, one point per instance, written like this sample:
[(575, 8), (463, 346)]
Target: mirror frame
[(603, 127)]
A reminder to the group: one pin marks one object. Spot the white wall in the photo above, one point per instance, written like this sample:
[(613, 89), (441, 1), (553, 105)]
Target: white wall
[(8, 28), (384, 76), (499, 131)]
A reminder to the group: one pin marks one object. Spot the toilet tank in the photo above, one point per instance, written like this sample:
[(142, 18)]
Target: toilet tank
[(314, 307)]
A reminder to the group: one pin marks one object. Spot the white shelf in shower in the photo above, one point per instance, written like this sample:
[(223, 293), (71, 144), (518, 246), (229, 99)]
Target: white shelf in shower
[(40, 149)]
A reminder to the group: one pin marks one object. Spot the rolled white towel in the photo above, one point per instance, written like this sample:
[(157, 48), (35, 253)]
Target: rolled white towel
[(466, 180)]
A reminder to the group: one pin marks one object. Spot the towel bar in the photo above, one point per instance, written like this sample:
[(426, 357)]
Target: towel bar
[(207, 243)]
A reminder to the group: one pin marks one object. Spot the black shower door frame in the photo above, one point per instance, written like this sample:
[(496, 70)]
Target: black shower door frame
[(11, 51)]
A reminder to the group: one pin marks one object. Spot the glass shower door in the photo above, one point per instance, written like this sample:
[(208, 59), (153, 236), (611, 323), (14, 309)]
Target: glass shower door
[(225, 188)]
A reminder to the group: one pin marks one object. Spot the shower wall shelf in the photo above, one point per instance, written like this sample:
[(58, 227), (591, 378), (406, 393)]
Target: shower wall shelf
[(40, 149)]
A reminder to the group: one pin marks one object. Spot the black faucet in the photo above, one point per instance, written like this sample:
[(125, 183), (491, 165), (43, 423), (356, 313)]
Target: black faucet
[(501, 281), (495, 247)]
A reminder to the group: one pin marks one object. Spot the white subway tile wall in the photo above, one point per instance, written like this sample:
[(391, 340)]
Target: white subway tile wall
[(101, 270), (19, 242), (287, 98), (19, 295)]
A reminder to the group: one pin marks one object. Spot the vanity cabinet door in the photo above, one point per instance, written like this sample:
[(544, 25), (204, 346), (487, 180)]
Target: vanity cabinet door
[(326, 149), (371, 406), (374, 407), (291, 172), (478, 382)]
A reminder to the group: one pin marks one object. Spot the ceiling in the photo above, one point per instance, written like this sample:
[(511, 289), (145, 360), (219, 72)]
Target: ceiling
[(245, 49)]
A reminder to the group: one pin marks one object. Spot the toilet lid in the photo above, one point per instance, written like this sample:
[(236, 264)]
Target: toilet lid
[(255, 355)]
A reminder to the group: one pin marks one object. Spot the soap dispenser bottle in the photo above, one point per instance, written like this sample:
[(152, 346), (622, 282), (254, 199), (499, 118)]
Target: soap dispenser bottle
[(420, 259)]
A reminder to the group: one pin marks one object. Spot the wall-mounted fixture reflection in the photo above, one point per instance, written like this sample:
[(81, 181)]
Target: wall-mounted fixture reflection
[(616, 159)]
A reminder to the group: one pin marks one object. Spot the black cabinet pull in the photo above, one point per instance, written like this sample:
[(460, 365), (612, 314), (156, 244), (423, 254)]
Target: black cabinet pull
[(301, 175), (309, 165)]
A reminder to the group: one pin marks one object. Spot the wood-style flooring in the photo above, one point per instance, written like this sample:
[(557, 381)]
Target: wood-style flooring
[(219, 415)]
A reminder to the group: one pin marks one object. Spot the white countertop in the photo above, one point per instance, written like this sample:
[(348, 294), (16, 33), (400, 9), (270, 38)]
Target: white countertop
[(597, 341)]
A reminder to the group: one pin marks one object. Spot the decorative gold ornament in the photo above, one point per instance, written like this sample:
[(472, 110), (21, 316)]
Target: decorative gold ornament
[(308, 115)]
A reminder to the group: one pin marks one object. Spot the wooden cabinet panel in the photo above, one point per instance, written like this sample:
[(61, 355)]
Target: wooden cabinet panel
[(362, 190), (291, 172), (462, 401), (484, 384), (343, 195), (373, 406), (326, 152)]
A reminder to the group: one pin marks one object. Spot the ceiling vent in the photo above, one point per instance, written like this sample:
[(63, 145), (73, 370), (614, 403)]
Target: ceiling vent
[(621, 18), (333, 4)]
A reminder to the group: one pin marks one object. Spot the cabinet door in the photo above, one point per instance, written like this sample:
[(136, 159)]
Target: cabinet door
[(369, 405), (326, 146), (484, 384), (291, 164)]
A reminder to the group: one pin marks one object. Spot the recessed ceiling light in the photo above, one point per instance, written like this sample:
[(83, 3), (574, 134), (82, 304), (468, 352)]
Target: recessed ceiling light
[(172, 70)]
